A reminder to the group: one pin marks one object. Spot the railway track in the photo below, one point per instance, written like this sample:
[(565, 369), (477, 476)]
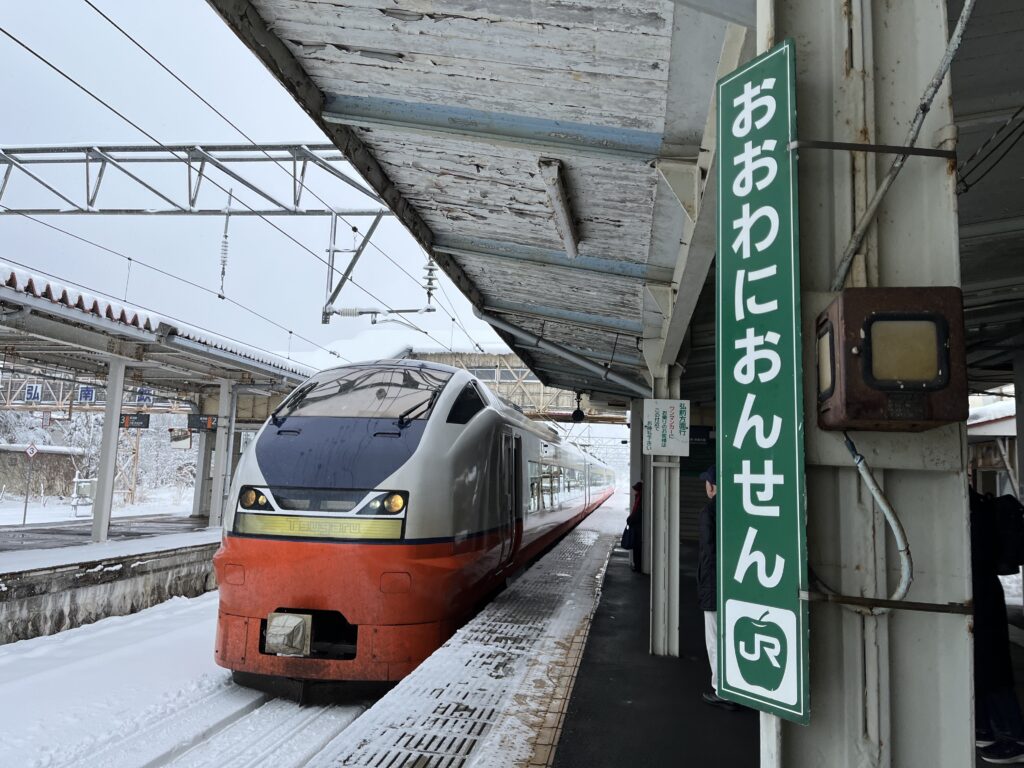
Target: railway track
[(226, 726)]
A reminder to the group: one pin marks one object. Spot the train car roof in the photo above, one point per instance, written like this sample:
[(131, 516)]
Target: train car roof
[(402, 362)]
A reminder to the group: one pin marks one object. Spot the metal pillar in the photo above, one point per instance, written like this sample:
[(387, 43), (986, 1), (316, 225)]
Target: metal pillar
[(221, 457), (664, 473), (201, 492), (104, 500), (1018, 400), (890, 690)]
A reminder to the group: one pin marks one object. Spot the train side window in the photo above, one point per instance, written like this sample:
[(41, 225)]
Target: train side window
[(467, 405)]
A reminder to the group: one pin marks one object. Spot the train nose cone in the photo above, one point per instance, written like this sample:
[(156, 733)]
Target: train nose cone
[(289, 633)]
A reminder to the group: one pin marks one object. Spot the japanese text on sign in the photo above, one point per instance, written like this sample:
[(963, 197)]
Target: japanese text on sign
[(762, 561), (666, 428)]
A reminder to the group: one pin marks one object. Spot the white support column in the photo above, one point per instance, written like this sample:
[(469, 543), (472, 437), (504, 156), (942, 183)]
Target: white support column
[(673, 532), (896, 689), (221, 454), (1018, 399), (104, 500), (201, 492), (664, 542)]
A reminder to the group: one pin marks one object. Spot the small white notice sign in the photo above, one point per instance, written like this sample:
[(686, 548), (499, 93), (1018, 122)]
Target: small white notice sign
[(667, 427)]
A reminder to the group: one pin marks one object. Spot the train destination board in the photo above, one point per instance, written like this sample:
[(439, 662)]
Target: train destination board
[(135, 421), (200, 423)]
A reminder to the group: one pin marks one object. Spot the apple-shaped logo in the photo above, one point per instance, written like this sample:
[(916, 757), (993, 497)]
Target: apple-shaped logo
[(761, 651)]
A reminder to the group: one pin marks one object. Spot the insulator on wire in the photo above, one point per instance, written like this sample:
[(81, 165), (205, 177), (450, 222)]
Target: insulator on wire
[(430, 279), (224, 244)]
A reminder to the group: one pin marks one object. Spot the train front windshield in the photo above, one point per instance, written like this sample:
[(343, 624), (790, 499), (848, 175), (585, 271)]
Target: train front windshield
[(371, 393)]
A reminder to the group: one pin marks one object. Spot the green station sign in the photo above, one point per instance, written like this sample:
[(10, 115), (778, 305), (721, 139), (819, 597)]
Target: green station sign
[(762, 547)]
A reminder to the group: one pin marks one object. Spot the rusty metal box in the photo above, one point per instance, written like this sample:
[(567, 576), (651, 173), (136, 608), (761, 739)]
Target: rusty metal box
[(891, 359)]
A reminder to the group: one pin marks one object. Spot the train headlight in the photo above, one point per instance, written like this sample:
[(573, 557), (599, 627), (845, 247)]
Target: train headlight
[(386, 503), (253, 498)]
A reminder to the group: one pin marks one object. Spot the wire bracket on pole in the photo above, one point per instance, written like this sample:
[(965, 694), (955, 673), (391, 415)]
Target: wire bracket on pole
[(881, 149)]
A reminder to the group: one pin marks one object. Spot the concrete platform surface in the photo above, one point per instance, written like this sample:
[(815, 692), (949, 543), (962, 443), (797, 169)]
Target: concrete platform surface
[(629, 708)]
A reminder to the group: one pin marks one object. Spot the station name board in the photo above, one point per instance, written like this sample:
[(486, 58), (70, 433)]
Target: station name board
[(762, 549)]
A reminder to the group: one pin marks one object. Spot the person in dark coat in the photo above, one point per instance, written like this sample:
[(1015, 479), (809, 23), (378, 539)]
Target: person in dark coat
[(635, 524), (707, 587), (999, 727)]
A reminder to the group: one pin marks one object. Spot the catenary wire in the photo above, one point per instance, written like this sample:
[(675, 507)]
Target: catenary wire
[(152, 138), (244, 135), (132, 260), (966, 185), (995, 134)]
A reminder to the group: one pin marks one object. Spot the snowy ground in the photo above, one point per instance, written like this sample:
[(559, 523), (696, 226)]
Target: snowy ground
[(168, 500), (144, 690), (72, 690)]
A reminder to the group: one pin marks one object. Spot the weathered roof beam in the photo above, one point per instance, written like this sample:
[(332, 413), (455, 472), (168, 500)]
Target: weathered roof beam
[(490, 127), (558, 196), (573, 317), (489, 249)]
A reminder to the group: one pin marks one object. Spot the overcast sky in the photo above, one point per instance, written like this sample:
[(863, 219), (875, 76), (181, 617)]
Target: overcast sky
[(265, 270)]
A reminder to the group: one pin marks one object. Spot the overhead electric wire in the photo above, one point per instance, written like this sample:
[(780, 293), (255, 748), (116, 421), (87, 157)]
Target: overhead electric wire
[(132, 260), (965, 185), (244, 135), (990, 139), (152, 138)]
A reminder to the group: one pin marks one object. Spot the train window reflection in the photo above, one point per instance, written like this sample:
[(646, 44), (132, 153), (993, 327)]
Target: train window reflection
[(466, 406), (376, 393)]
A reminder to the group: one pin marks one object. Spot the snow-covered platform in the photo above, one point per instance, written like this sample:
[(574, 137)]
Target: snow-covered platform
[(43, 591), (67, 533), (495, 694)]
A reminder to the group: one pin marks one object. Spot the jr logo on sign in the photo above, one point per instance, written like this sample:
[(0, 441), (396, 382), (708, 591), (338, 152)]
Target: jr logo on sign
[(758, 659)]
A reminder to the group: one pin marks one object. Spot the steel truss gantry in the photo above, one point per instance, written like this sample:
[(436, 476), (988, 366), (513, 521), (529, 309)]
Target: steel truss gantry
[(136, 163)]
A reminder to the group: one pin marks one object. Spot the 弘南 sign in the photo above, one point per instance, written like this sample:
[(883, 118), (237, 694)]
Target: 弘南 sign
[(762, 549), (666, 428)]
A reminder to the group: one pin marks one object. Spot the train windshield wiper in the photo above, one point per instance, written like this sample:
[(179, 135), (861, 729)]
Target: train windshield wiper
[(291, 403), (405, 418)]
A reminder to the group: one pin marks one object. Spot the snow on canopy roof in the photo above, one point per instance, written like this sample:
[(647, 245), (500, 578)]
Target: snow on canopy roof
[(992, 412), (235, 348), (125, 314), (42, 288)]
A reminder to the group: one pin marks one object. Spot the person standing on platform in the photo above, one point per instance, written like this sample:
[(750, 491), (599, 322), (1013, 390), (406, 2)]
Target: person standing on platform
[(707, 587), (635, 524), (999, 725)]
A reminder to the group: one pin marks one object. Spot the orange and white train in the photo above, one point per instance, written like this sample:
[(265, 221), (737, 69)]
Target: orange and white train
[(377, 508)]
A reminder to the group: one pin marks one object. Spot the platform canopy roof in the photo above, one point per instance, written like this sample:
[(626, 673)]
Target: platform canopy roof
[(550, 156), (46, 323), (555, 159), (988, 91)]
